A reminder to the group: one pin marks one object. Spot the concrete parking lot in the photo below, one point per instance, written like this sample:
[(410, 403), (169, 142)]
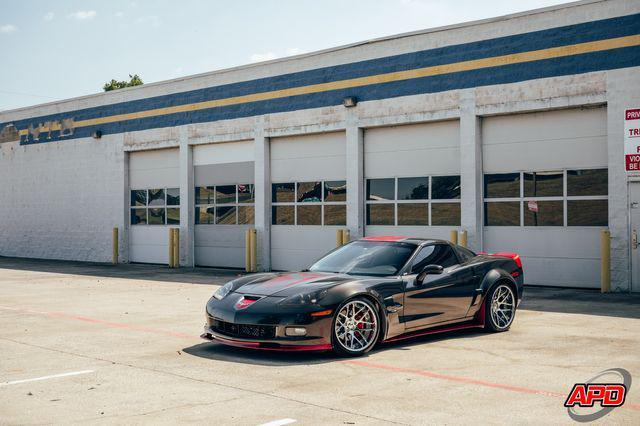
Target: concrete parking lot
[(82, 343)]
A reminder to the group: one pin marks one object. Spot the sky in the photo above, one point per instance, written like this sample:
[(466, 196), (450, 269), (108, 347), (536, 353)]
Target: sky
[(66, 48)]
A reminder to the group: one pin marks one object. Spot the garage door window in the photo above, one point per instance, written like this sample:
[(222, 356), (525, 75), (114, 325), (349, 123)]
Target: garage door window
[(158, 206), (414, 201), (225, 204), (547, 198), (309, 203)]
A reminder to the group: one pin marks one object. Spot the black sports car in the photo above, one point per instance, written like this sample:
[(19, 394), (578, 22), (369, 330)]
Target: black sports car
[(376, 289)]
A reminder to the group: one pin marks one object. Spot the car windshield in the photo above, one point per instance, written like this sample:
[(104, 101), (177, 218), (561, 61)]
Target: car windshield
[(377, 258)]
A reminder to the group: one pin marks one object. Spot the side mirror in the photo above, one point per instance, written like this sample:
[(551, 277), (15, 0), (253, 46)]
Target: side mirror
[(429, 270)]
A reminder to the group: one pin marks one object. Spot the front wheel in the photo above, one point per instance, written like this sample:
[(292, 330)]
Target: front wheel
[(500, 308), (356, 326)]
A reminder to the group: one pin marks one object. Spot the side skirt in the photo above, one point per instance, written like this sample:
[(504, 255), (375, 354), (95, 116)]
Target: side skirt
[(476, 322)]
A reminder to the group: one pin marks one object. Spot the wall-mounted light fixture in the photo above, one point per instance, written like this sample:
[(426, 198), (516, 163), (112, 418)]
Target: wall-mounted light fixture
[(350, 101), (97, 134)]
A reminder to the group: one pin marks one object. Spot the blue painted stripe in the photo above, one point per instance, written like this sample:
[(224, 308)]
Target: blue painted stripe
[(580, 33)]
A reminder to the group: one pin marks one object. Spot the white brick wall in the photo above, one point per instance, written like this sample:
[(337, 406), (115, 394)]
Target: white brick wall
[(61, 200)]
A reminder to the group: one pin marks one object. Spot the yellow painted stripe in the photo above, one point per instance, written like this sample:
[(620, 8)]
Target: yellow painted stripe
[(514, 58)]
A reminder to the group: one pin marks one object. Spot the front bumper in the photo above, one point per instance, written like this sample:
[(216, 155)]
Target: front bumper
[(267, 345), (262, 325)]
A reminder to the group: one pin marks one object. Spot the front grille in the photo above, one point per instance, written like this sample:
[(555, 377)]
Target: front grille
[(244, 330)]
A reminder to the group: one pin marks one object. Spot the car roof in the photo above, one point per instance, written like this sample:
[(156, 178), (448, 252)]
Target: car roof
[(404, 239)]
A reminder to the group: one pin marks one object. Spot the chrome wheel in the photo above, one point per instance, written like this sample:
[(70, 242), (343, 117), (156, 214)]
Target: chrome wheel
[(502, 307), (356, 326)]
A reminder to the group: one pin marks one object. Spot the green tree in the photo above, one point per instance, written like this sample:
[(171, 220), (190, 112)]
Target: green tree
[(134, 80)]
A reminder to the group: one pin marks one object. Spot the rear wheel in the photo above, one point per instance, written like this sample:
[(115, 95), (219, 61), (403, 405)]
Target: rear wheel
[(500, 308), (356, 326)]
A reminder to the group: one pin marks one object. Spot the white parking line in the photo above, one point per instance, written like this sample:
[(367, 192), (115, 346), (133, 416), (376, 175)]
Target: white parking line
[(280, 422), (54, 376)]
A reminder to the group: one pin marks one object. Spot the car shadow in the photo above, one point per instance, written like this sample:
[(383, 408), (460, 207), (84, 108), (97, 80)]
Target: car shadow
[(220, 352)]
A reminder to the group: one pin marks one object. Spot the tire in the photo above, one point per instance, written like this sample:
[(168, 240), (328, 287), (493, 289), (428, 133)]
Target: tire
[(500, 308), (355, 327)]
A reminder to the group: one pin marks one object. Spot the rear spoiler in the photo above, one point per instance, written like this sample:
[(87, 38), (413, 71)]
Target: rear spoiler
[(514, 256)]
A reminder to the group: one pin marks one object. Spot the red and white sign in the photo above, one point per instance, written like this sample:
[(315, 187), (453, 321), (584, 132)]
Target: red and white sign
[(632, 140), (533, 206), (587, 394)]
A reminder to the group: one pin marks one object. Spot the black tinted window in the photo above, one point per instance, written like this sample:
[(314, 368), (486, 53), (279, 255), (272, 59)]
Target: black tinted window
[(309, 192), (283, 215), (445, 187), (309, 215), (380, 214), (156, 197), (138, 216), (246, 193), (283, 192), (419, 260), (225, 194), (544, 213), (335, 215), (205, 194), (445, 214), (366, 258), (503, 213), (543, 184), (587, 212), (381, 189), (502, 185), (437, 254), (587, 182), (139, 197), (413, 214), (465, 254), (415, 188), (335, 190), (173, 196)]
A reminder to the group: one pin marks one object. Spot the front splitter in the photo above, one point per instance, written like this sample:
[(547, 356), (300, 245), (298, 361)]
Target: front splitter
[(263, 346)]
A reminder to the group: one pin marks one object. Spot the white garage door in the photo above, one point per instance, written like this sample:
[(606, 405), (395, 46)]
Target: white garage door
[(223, 175), (412, 178), (155, 203), (308, 197), (545, 189)]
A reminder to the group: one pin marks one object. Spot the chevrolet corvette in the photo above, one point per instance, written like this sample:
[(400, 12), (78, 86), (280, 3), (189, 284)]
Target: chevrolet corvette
[(368, 291)]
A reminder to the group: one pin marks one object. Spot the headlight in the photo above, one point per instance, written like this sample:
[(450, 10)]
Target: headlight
[(305, 298), (223, 291)]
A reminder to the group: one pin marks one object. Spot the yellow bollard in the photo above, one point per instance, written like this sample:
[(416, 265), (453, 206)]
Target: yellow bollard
[(453, 236), (254, 249), (247, 250), (176, 247), (114, 244), (463, 238), (338, 237), (345, 236), (171, 239), (605, 261)]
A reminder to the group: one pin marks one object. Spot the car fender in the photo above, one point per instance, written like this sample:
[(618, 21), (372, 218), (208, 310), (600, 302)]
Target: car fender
[(492, 277), (387, 295)]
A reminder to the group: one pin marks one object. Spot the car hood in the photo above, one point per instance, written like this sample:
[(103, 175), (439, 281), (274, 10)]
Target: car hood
[(291, 283)]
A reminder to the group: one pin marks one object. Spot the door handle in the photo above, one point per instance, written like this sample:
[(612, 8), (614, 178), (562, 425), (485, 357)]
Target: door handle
[(634, 239)]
